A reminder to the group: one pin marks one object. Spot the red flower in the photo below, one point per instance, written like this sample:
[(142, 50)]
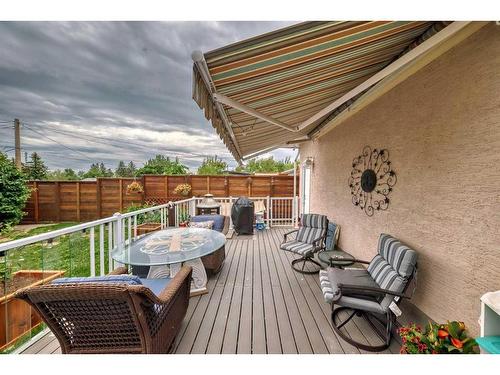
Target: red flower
[(457, 343), (442, 333)]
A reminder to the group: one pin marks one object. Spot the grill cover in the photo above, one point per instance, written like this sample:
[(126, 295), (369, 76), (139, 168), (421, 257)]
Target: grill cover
[(242, 214)]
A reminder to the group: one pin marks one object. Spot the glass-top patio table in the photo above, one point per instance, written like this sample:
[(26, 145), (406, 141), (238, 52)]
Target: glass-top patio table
[(165, 251)]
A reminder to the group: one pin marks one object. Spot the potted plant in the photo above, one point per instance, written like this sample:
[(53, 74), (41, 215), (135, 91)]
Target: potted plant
[(184, 218), (135, 188), (182, 189), (446, 338), (146, 222), (18, 316)]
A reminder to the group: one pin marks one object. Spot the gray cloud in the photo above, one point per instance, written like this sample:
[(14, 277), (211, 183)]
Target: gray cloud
[(110, 90)]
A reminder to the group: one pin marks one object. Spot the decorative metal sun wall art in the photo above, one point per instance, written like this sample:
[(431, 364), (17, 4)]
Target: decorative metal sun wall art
[(371, 180)]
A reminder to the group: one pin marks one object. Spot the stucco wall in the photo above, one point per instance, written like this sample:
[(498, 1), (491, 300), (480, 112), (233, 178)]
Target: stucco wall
[(442, 129)]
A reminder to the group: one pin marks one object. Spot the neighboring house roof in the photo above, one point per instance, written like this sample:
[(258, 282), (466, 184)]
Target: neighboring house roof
[(259, 92)]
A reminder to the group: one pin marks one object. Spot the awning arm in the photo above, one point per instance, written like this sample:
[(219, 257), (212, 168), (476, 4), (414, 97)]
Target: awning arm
[(258, 153), (201, 64), (252, 112), (421, 49)]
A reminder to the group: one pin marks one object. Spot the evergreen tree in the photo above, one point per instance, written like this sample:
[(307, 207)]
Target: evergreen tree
[(132, 169), (14, 192), (35, 169), (121, 170), (97, 170)]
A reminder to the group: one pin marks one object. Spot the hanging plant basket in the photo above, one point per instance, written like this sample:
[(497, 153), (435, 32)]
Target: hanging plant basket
[(135, 188), (183, 189)]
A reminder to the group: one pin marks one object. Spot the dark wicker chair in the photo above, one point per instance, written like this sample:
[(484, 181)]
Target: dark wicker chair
[(213, 262), (112, 318)]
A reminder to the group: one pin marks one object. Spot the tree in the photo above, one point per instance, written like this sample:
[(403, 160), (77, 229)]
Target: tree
[(97, 170), (212, 165), (35, 169), (14, 193), (162, 165), (267, 165), (132, 169), (67, 174), (121, 170)]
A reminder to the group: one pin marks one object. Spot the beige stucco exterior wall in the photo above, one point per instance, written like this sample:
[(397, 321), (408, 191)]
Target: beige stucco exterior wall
[(442, 129)]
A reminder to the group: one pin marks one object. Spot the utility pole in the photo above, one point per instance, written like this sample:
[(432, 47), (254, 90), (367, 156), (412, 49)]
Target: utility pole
[(17, 134)]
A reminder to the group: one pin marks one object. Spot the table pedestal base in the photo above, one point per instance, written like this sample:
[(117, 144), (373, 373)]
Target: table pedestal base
[(198, 277)]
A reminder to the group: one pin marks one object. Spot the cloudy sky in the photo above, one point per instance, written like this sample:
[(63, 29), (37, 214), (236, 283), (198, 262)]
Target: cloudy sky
[(110, 91)]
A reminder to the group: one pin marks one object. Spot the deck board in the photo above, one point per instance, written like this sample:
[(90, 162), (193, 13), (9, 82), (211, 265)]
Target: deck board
[(256, 304)]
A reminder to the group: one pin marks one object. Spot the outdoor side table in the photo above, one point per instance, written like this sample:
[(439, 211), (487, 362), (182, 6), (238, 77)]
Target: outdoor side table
[(165, 252), (336, 258)]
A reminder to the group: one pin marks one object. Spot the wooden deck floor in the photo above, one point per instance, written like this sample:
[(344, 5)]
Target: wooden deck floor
[(257, 304)]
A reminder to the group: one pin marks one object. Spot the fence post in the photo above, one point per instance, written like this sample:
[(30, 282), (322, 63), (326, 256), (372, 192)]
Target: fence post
[(98, 198), (35, 187), (78, 215), (58, 201), (268, 204), (192, 206)]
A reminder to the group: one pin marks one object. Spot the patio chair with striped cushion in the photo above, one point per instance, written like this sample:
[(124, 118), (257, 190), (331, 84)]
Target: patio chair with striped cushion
[(310, 238), (370, 292)]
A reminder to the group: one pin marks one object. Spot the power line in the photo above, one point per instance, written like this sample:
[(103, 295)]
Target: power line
[(59, 143), (187, 154)]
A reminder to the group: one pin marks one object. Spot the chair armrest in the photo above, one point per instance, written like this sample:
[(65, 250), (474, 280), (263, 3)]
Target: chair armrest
[(183, 276), (369, 289), (354, 260), (119, 271), (316, 241), (288, 233)]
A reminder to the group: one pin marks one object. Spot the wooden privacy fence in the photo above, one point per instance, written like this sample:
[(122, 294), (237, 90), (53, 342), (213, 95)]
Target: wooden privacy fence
[(81, 201)]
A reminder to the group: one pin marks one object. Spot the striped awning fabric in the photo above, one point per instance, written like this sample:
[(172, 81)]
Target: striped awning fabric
[(293, 73)]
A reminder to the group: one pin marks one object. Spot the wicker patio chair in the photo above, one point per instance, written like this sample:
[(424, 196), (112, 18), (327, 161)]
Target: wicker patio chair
[(310, 239), (95, 317), (369, 293)]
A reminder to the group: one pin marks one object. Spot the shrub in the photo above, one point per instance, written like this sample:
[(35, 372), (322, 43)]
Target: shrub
[(13, 193)]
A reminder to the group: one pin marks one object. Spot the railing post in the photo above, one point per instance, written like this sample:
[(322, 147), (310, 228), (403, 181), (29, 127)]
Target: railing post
[(118, 234), (101, 250), (268, 204), (92, 252), (192, 206), (230, 210)]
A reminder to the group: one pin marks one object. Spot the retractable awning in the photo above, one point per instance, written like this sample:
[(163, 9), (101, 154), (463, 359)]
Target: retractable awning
[(275, 88)]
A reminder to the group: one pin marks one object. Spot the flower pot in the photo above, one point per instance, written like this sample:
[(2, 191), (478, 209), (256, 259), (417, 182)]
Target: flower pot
[(148, 228), (183, 225), (17, 317)]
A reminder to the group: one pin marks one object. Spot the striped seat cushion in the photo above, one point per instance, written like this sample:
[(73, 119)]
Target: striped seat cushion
[(392, 266), (312, 227), (314, 221), (297, 247), (398, 255)]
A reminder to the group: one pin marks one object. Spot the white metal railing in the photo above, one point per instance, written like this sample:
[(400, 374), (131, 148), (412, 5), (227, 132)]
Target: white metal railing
[(120, 229), (89, 245)]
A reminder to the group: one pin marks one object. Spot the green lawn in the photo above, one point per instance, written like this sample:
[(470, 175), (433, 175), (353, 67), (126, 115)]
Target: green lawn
[(69, 253)]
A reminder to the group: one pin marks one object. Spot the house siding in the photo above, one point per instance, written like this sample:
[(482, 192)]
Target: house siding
[(441, 127)]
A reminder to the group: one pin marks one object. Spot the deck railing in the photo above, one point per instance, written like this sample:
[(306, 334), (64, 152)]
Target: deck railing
[(85, 250)]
